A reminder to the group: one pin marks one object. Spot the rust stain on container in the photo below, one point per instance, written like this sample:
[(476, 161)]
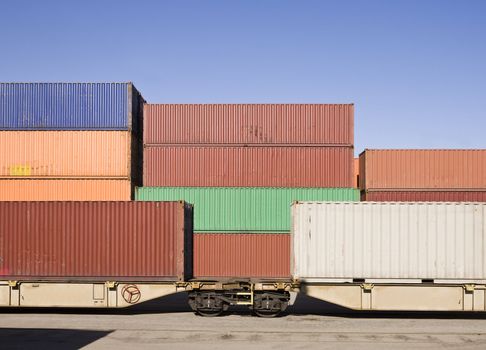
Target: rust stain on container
[(424, 196), (249, 124), (65, 190), (248, 166), (422, 169), (64, 154), (95, 240), (241, 255)]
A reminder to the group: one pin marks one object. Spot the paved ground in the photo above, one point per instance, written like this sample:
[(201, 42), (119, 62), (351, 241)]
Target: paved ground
[(167, 324)]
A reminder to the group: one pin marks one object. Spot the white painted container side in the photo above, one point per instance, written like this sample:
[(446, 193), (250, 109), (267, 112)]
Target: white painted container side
[(385, 240)]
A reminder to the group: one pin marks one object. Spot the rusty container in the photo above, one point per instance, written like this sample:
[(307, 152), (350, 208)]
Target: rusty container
[(247, 255), (263, 166), (246, 124), (422, 169), (356, 173), (65, 190), (424, 196), (106, 241)]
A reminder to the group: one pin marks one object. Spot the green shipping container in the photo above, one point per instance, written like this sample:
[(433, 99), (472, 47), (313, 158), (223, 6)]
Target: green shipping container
[(243, 209)]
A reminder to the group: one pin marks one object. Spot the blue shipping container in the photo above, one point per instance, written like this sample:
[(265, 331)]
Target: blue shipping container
[(69, 106)]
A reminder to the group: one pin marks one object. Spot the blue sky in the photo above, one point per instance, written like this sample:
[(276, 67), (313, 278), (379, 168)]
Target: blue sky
[(416, 70)]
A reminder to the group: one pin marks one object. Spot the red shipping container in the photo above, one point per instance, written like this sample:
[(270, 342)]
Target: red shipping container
[(424, 196), (95, 241), (310, 124), (195, 166), (246, 255), (422, 169)]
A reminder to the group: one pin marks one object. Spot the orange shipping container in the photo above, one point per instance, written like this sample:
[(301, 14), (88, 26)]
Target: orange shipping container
[(65, 154), (65, 190), (422, 169)]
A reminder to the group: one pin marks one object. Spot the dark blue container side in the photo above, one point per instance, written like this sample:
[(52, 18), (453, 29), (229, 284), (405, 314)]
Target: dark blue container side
[(69, 106)]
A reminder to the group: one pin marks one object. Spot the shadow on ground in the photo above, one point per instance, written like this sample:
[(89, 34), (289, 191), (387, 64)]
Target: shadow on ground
[(40, 338), (304, 305), (168, 304)]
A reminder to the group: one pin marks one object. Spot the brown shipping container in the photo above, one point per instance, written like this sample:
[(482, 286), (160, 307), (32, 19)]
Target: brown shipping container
[(422, 169), (95, 241), (241, 255), (65, 190), (248, 166), (356, 172), (424, 196), (65, 154), (249, 124)]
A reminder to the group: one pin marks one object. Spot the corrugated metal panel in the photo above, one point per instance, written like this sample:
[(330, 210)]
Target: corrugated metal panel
[(248, 166), (389, 240), (69, 106), (356, 172), (63, 154), (424, 169), (425, 196), (65, 190), (93, 240), (249, 124), (241, 255), (226, 209)]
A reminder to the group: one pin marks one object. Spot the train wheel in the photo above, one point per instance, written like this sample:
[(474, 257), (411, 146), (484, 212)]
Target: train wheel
[(267, 313), (209, 312), (269, 304), (208, 304)]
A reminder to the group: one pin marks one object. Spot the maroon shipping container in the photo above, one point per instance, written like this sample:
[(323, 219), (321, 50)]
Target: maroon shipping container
[(308, 124), (95, 241), (245, 255), (195, 166), (424, 196)]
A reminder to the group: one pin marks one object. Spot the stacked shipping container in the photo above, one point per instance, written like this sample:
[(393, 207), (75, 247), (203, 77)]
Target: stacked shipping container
[(389, 241), (423, 175), (244, 209), (96, 240), (248, 145), (242, 166), (69, 141)]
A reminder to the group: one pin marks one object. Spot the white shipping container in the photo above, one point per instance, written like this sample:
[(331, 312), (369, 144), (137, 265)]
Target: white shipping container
[(388, 240)]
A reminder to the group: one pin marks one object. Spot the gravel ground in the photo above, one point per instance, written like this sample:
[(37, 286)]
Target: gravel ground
[(167, 323)]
